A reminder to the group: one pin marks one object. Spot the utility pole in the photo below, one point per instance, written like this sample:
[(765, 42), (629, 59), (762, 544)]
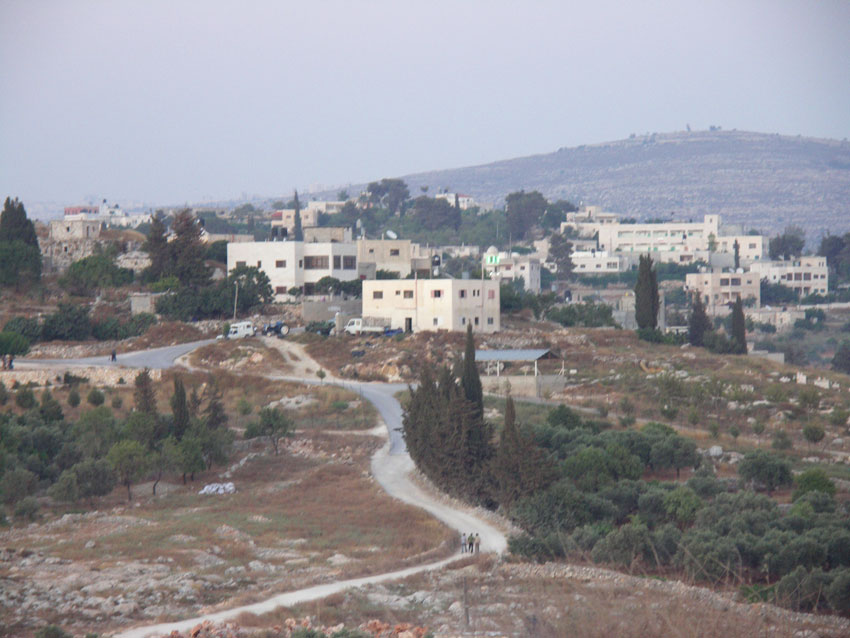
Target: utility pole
[(235, 299)]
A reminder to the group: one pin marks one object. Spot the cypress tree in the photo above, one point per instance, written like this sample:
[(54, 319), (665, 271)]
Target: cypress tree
[(698, 323), (470, 380), (143, 395), (737, 248), (14, 225), (520, 468), (297, 231), (646, 295), (180, 409), (739, 328)]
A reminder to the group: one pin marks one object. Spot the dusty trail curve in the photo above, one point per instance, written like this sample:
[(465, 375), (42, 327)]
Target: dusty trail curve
[(391, 467)]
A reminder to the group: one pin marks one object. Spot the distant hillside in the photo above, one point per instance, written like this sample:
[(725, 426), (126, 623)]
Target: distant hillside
[(760, 180)]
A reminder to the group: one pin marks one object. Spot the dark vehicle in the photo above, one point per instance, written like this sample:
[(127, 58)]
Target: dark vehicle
[(278, 328), (323, 328)]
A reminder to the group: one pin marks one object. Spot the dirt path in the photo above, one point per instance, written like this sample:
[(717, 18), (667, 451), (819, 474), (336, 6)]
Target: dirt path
[(392, 468)]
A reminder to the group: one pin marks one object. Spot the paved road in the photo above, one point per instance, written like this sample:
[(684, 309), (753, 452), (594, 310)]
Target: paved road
[(391, 466), (155, 358)]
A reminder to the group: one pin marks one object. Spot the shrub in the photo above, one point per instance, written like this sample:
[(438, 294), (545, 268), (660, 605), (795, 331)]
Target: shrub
[(781, 441), (812, 480), (17, 484), (802, 590), (117, 402), (95, 397), (73, 398), (838, 592), (52, 631), (25, 398), (766, 469), (26, 508), (758, 428), (839, 416), (4, 394)]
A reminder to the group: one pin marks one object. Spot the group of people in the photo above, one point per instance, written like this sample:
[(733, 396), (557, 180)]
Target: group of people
[(470, 543), (8, 362)]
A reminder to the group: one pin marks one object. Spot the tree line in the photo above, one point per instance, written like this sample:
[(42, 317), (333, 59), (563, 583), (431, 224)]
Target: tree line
[(576, 488), (41, 451)]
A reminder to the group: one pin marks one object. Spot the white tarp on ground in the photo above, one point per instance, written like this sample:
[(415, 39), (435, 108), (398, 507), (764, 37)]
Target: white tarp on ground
[(218, 488)]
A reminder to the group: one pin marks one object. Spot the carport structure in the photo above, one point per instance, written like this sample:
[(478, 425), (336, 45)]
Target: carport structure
[(494, 357)]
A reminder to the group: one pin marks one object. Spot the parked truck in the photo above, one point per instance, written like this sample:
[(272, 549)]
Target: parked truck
[(369, 325), (241, 329)]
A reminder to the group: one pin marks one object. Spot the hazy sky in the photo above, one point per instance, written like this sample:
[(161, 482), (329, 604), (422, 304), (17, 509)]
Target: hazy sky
[(179, 101)]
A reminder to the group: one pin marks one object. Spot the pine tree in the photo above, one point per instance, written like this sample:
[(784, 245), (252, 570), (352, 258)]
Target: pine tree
[(297, 231), (737, 248), (470, 379), (179, 409), (14, 225), (144, 396), (646, 295), (739, 328), (214, 414), (156, 246), (698, 323), (189, 251)]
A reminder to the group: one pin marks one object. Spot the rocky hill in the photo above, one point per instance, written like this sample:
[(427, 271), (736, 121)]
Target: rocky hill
[(760, 180)]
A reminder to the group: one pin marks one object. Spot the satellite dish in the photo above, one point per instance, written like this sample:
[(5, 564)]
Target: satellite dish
[(391, 235)]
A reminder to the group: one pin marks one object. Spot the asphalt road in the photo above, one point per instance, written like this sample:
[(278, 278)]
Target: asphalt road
[(155, 358)]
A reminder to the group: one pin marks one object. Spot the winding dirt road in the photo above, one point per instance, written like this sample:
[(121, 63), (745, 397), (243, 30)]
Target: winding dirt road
[(391, 467)]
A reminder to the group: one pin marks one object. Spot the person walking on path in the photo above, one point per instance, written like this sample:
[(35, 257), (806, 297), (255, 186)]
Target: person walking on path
[(463, 543), (471, 542), (477, 543), (114, 355)]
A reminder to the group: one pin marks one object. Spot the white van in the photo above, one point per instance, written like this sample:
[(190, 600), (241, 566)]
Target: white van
[(241, 329)]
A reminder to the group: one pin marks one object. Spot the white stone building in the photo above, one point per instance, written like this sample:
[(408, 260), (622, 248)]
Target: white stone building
[(596, 262), (719, 289), (806, 275), (504, 265), (433, 304), (298, 264)]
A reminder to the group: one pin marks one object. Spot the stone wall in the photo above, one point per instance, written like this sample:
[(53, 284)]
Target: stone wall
[(525, 386), (98, 376)]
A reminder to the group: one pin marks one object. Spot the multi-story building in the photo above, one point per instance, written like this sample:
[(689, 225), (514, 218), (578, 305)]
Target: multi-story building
[(503, 265), (433, 304), (721, 289), (596, 262), (296, 264), (806, 275), (327, 208), (677, 242), (69, 240), (395, 255), (283, 221)]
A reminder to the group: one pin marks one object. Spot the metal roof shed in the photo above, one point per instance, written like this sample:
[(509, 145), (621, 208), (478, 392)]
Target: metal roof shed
[(501, 356)]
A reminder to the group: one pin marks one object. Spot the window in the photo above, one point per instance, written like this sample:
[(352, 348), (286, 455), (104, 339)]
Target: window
[(491, 294), (393, 252), (280, 263), (371, 251), (408, 294), (378, 294), (752, 246), (462, 294), (476, 321), (316, 263), (300, 263), (349, 262), (436, 294), (259, 264), (240, 264), (489, 321), (337, 262), (280, 290), (724, 282), (463, 321), (435, 321), (736, 281), (397, 293), (476, 293)]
